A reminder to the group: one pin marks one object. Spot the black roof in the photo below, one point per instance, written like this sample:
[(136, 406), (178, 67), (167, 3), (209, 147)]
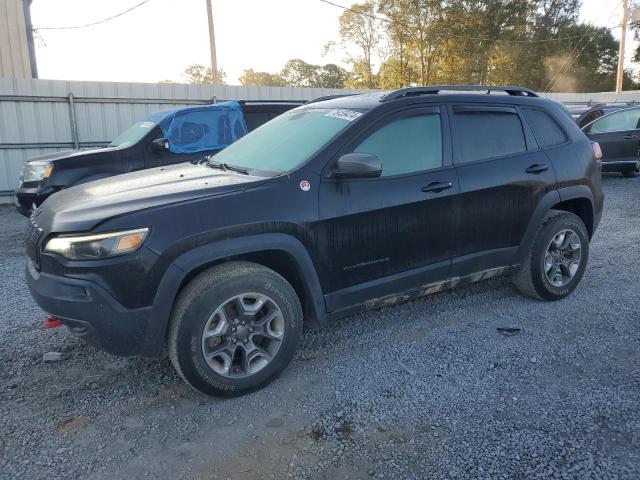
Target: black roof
[(437, 93)]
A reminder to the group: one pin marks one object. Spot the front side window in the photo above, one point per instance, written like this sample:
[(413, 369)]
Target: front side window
[(406, 145), (287, 141), (628, 119), (484, 134)]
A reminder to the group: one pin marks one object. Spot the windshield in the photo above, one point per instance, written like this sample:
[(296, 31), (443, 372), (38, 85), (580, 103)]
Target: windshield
[(288, 140), (133, 134)]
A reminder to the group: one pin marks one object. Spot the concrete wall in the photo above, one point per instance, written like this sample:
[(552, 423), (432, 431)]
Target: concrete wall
[(40, 116)]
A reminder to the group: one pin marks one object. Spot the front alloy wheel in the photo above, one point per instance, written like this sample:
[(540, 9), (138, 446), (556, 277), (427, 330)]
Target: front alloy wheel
[(234, 328), (243, 335)]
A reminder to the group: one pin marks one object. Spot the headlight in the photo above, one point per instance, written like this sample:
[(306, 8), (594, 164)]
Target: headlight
[(35, 172), (93, 247)]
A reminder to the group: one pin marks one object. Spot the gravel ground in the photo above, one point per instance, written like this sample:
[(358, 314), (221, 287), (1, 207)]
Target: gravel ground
[(427, 389)]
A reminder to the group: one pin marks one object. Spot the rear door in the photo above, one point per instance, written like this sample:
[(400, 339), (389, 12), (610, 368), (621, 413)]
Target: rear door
[(384, 235), (618, 134), (503, 175)]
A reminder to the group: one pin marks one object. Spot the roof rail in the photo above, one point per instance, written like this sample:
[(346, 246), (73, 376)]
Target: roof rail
[(242, 102), (413, 91), (329, 97)]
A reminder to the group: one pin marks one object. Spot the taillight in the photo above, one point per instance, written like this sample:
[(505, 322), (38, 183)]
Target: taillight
[(597, 151)]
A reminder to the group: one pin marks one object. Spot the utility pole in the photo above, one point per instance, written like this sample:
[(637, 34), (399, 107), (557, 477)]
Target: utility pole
[(623, 35), (212, 46)]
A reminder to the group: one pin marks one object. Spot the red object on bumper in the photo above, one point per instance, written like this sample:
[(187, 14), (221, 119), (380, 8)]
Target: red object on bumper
[(52, 322)]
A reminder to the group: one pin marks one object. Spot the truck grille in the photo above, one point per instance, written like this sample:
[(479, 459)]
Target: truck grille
[(32, 241)]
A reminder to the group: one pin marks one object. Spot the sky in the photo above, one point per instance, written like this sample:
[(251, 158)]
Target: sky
[(159, 39)]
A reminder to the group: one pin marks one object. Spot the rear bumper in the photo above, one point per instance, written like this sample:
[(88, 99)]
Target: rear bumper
[(620, 165), (90, 312)]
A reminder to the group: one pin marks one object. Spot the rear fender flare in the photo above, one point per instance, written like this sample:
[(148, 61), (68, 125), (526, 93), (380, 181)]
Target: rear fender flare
[(544, 205), (576, 191)]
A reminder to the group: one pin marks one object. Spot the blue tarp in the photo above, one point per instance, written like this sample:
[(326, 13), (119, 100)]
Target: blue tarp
[(197, 129)]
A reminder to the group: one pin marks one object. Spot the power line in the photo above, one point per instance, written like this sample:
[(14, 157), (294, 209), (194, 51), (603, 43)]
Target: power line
[(552, 83), (483, 39), (74, 27), (569, 65)]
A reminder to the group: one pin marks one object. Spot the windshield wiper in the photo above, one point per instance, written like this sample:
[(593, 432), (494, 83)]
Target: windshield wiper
[(226, 166)]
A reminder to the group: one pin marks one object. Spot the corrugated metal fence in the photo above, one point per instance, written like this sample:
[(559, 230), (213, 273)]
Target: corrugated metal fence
[(42, 116)]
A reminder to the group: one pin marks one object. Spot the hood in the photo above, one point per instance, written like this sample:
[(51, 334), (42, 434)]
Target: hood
[(52, 157), (82, 207)]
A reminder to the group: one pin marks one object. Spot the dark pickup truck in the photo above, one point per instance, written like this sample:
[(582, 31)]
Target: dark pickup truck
[(161, 138)]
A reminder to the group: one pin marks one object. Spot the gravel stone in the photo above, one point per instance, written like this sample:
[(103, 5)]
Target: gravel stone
[(53, 357), (426, 389)]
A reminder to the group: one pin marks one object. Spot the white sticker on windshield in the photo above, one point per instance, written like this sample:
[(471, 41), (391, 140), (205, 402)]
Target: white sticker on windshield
[(147, 125), (348, 115)]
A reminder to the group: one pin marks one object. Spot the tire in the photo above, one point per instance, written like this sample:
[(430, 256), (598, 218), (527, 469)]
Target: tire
[(629, 173), (532, 278), (220, 299)]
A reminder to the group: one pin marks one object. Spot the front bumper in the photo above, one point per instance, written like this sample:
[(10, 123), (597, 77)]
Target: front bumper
[(26, 197), (90, 312), (621, 166)]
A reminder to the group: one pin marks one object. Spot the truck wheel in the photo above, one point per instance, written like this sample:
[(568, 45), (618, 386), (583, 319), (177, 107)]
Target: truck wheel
[(557, 258), (234, 328)]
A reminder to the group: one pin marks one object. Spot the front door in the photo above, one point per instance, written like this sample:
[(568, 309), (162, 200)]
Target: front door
[(384, 235), (618, 134)]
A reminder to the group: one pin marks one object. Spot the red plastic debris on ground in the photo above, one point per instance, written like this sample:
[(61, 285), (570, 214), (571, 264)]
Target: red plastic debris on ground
[(52, 322)]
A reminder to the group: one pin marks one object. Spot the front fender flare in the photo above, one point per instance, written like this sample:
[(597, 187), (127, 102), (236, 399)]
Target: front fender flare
[(192, 260)]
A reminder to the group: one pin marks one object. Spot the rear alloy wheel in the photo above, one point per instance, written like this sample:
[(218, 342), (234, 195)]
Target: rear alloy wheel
[(234, 329), (557, 258), (562, 260)]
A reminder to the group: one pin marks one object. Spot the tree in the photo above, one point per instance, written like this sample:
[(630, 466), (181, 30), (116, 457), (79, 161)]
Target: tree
[(260, 79), (540, 44), (298, 73), (358, 26), (330, 76), (200, 74)]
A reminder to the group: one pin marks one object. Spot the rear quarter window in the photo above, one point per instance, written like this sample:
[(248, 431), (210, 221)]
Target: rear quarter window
[(255, 119), (546, 130), (488, 134)]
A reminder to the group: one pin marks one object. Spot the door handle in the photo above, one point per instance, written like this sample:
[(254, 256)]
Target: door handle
[(437, 187), (631, 137), (537, 168)]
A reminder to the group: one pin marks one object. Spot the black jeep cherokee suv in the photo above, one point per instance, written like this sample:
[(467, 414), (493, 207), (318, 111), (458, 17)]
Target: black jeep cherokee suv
[(333, 207)]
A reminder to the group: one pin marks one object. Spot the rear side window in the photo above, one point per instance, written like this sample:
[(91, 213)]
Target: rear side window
[(255, 119), (546, 130), (406, 145), (484, 134)]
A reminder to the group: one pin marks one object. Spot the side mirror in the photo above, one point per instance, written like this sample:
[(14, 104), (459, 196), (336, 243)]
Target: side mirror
[(159, 145), (358, 165)]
